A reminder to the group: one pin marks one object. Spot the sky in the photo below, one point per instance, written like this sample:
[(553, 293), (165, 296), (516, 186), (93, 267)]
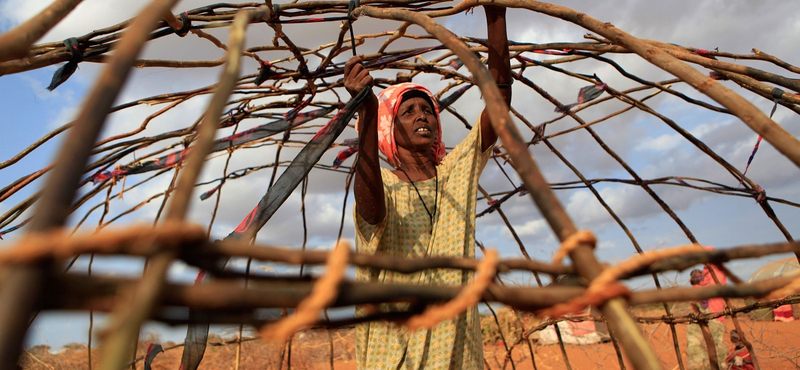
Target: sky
[(646, 143)]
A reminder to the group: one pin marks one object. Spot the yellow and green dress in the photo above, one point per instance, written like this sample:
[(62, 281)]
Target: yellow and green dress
[(406, 231)]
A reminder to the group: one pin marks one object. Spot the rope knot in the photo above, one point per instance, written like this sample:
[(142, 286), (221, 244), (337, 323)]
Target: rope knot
[(572, 242), (538, 134), (231, 118), (186, 24), (64, 72), (264, 73), (276, 13), (350, 7), (75, 48), (717, 76), (522, 190), (777, 93), (759, 193)]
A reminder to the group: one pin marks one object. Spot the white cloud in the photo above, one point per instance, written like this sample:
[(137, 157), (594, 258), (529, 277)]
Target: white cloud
[(661, 143), (532, 228), (606, 244)]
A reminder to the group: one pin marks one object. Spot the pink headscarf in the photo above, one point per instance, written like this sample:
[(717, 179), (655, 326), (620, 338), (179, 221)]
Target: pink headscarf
[(388, 103)]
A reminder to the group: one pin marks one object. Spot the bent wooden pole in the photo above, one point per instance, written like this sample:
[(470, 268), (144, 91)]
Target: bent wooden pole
[(587, 265)]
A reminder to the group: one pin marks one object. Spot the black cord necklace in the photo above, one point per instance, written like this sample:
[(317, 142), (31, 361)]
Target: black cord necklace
[(435, 198)]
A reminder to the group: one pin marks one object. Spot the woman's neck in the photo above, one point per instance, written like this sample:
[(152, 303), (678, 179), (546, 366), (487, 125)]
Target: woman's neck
[(426, 166), (417, 170), (418, 165)]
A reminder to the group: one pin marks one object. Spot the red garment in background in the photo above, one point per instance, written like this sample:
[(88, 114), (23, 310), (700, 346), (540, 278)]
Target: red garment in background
[(714, 304), (783, 313), (744, 354)]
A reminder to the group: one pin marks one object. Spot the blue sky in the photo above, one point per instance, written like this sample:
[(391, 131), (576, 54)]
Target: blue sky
[(645, 143)]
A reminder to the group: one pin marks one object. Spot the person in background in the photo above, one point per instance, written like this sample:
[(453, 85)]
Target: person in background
[(696, 350), (423, 207), (738, 357)]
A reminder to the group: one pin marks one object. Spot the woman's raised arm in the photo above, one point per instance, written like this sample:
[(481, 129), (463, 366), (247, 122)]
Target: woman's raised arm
[(368, 185)]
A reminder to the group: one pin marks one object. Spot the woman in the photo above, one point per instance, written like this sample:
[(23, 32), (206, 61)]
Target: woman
[(424, 207), (696, 350)]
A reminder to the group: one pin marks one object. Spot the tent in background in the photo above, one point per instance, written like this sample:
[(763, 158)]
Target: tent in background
[(576, 332), (782, 267)]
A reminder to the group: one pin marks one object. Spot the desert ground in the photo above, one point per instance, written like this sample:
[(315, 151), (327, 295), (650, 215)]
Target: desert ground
[(776, 344)]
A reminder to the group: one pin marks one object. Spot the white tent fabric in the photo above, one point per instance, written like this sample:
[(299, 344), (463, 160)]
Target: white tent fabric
[(786, 266), (574, 332)]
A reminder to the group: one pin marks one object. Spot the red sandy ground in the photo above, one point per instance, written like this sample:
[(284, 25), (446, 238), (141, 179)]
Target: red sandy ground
[(776, 344)]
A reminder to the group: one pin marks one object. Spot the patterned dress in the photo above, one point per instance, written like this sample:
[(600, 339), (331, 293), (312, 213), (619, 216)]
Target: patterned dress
[(406, 231)]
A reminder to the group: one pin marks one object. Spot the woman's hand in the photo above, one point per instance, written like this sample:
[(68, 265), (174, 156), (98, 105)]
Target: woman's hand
[(356, 76)]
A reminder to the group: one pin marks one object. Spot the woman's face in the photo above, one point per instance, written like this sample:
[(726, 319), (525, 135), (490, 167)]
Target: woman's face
[(415, 125)]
